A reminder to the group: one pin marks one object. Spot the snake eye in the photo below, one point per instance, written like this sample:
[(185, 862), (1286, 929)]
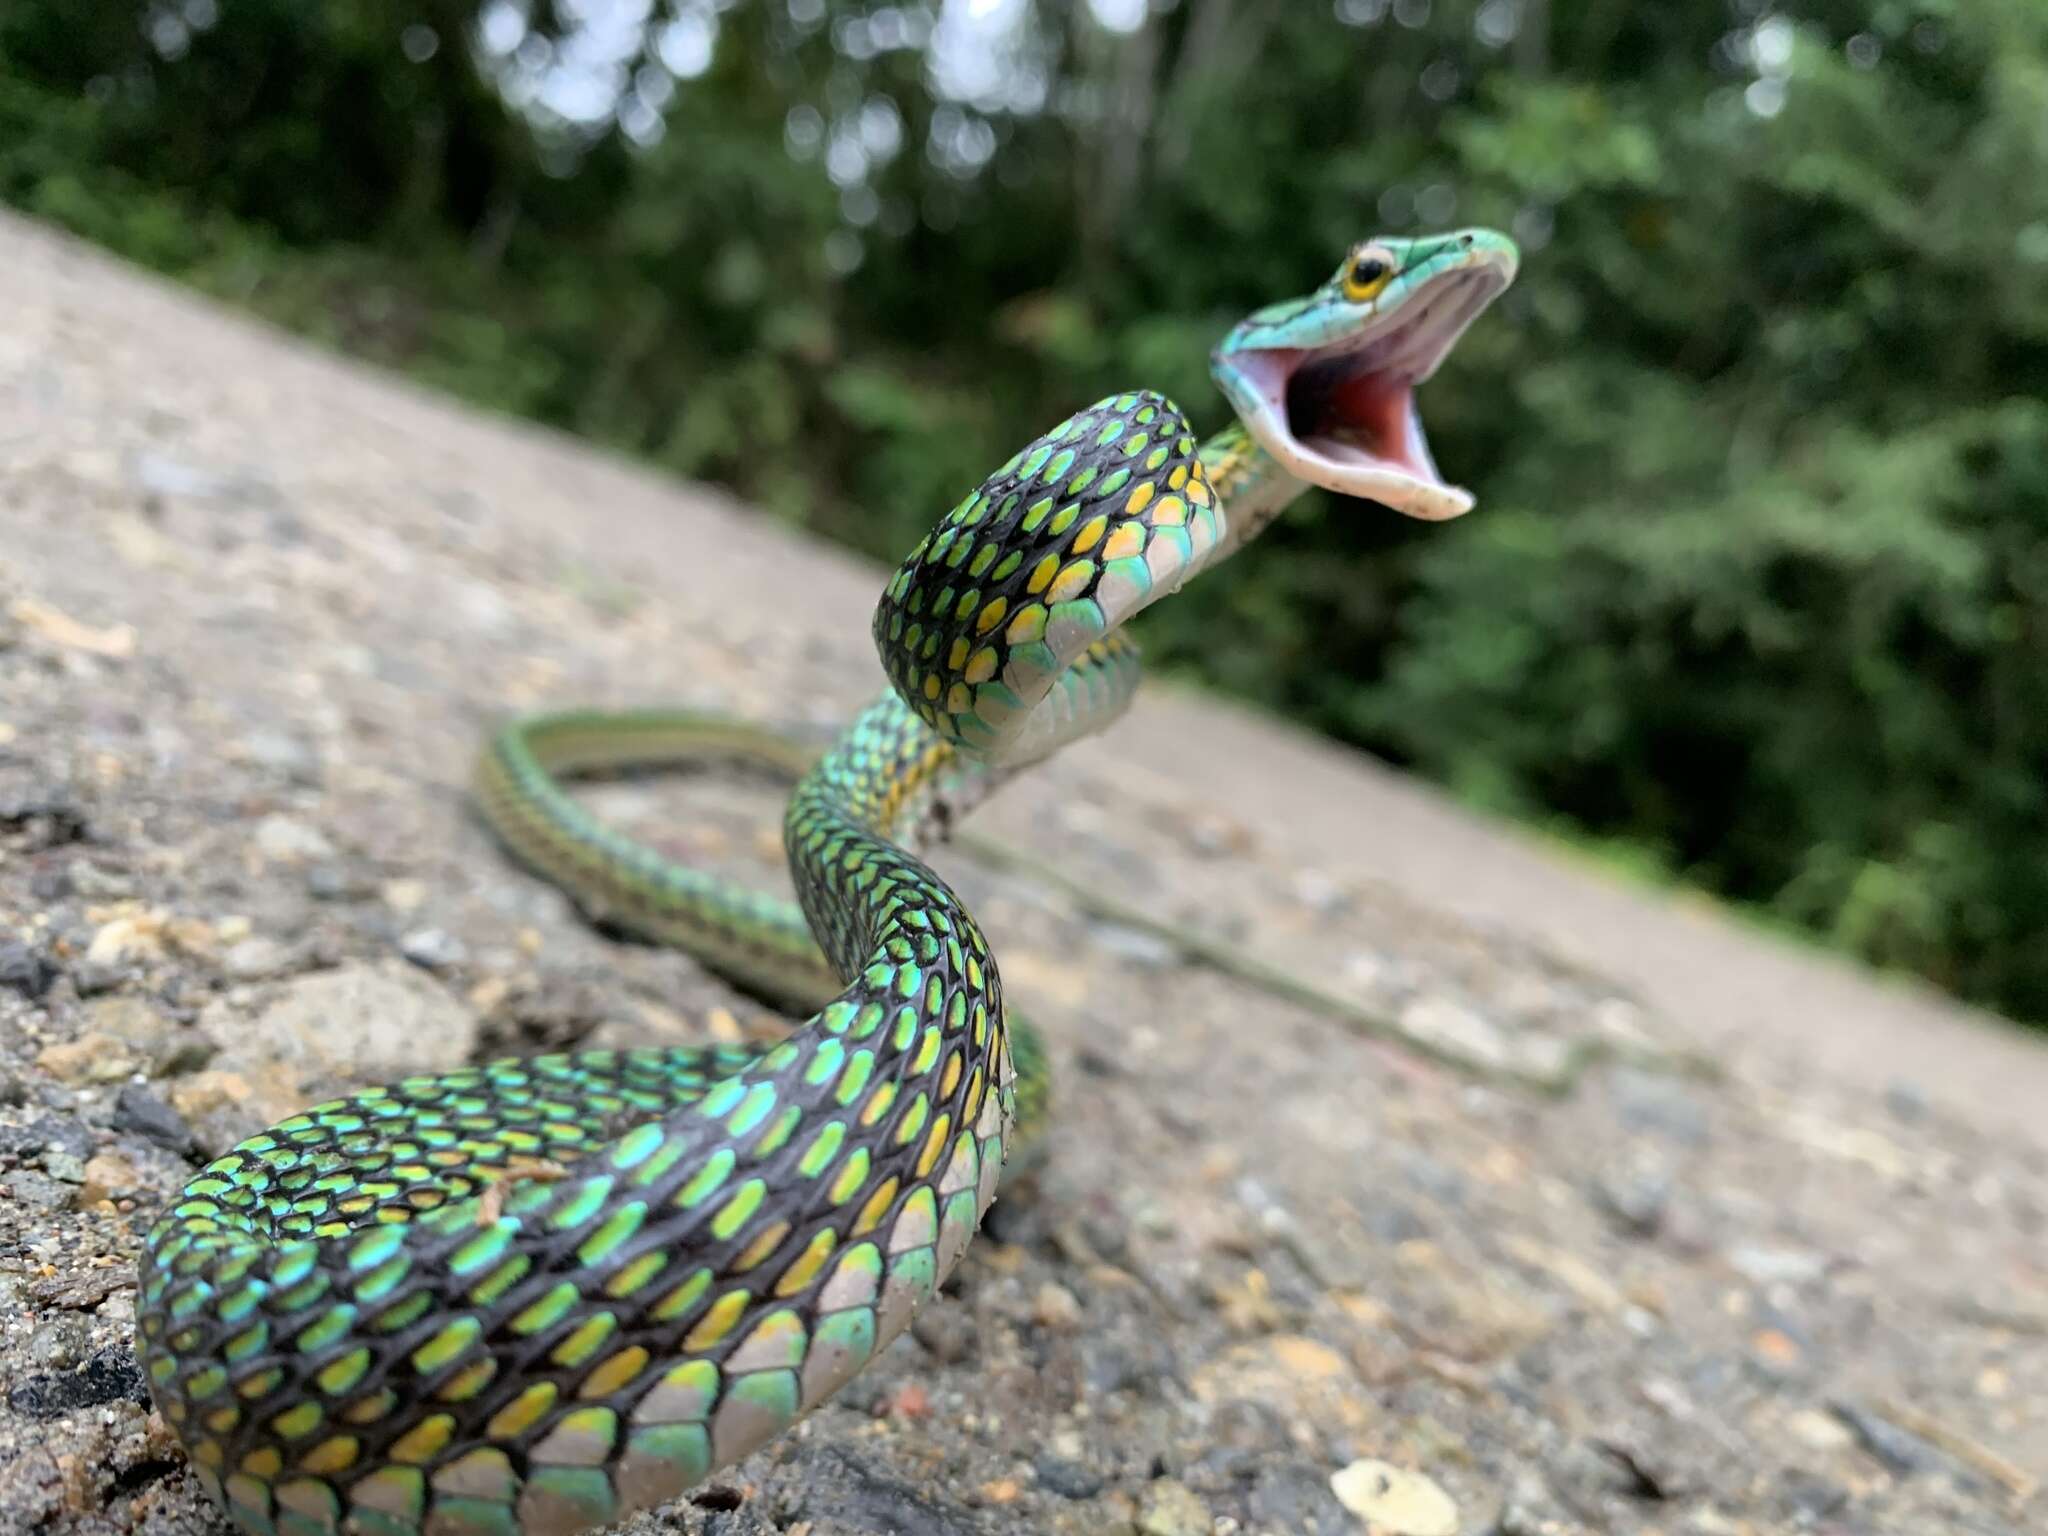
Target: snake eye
[(1370, 271)]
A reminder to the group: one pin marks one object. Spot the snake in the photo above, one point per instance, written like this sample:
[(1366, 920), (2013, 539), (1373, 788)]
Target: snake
[(532, 1296)]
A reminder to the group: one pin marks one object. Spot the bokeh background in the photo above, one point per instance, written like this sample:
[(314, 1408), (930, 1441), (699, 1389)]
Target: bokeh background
[(1757, 595)]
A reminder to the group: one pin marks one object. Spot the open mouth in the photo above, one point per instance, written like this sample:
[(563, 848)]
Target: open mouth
[(1343, 415)]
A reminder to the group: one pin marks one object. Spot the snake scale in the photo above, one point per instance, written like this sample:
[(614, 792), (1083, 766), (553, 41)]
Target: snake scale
[(533, 1296)]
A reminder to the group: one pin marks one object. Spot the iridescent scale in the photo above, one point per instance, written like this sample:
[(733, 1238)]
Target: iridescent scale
[(535, 1296)]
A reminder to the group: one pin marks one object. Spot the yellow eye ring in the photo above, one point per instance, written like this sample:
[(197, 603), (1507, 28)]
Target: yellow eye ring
[(1368, 273)]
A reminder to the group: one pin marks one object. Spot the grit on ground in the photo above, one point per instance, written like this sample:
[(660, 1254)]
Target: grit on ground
[(1578, 1211)]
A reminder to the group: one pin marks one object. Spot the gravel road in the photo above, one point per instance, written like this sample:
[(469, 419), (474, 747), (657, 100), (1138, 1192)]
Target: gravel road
[(1551, 1206)]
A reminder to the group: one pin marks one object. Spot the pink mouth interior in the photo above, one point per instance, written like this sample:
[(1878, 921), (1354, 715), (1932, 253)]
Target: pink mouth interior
[(1372, 419)]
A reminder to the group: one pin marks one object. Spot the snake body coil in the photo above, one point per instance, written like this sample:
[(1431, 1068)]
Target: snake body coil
[(530, 1297)]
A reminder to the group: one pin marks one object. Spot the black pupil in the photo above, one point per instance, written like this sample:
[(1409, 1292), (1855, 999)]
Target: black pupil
[(1368, 271)]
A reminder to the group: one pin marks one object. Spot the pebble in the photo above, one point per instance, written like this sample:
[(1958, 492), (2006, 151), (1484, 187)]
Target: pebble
[(1817, 1431), (1245, 1424), (148, 1033), (1395, 1501), (25, 970), (93, 977), (91, 1058), (357, 1023), (44, 1135), (141, 1112), (1900, 1451), (337, 882), (433, 949), (1779, 1350), (284, 752), (106, 1376), (1809, 1497), (1637, 1198), (947, 1332), (1295, 1497), (1068, 1479), (65, 1167), (36, 1191), (1762, 1265), (256, 959), (282, 839), (107, 1176), (1056, 1307), (1172, 1508), (61, 1342), (1907, 1102)]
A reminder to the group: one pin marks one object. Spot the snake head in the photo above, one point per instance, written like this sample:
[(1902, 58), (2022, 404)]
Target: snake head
[(1326, 383)]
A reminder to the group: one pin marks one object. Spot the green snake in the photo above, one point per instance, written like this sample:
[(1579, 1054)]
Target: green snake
[(536, 1295)]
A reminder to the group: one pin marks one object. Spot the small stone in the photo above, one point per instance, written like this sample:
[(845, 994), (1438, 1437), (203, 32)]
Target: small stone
[(66, 1167), (206, 1093), (1068, 1479), (1395, 1501), (1817, 1431), (91, 1058), (1295, 1497), (1900, 1451), (283, 752), (256, 959), (281, 839), (1763, 1265), (161, 1042), (1172, 1509), (404, 895), (1811, 1498), (1056, 1307), (1107, 1366), (106, 1177), (336, 882), (1318, 892), (1778, 1351), (95, 882), (25, 970), (1215, 836), (1907, 1102), (37, 1191), (432, 949), (947, 1332), (43, 1135), (108, 1375), (126, 940), (158, 474), (142, 1113), (1578, 1276), (1636, 1198), (62, 1342), (1243, 1424), (355, 1023), (92, 978)]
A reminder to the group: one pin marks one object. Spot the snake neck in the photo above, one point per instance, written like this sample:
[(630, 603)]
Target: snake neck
[(846, 829), (1254, 487)]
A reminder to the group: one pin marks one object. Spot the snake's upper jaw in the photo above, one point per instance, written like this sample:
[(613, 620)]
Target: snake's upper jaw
[(1329, 389)]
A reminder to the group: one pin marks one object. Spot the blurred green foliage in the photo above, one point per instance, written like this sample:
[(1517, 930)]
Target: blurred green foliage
[(1758, 583)]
